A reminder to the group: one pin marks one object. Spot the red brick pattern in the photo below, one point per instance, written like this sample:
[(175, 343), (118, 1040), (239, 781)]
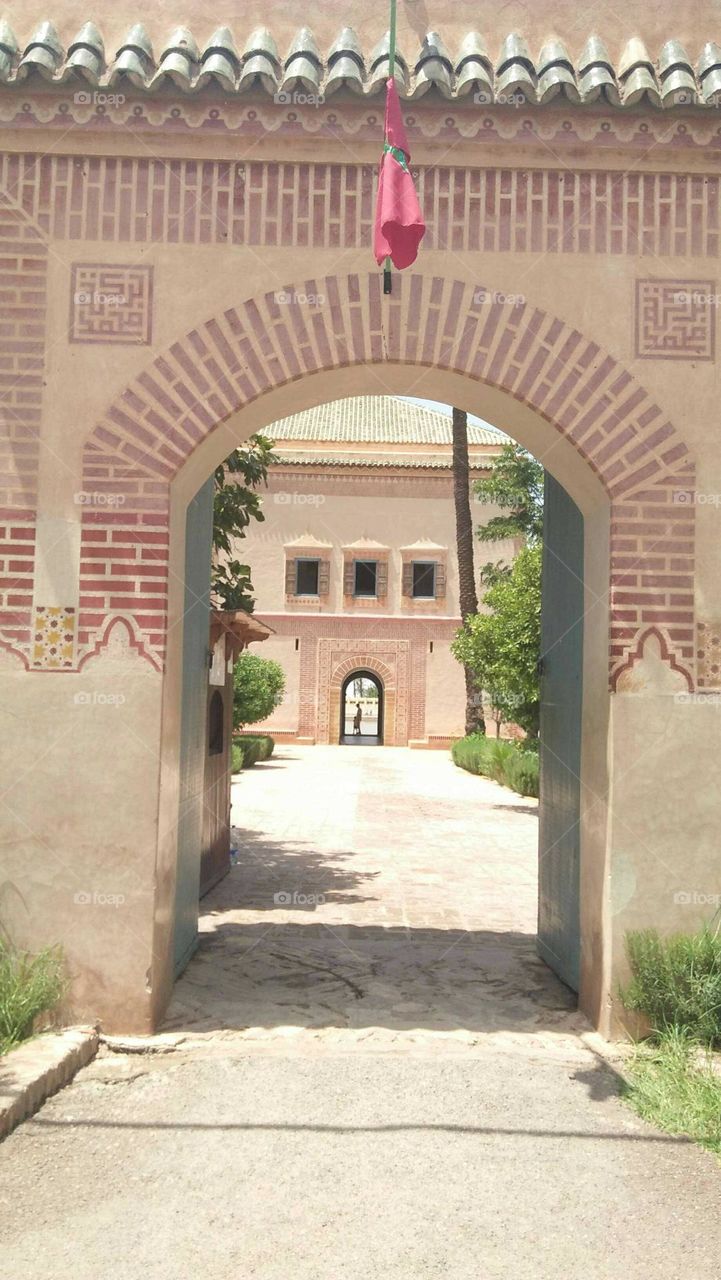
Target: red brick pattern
[(23, 264), (435, 322), (123, 552), (652, 569), (17, 567), (111, 304), (267, 204), (676, 319)]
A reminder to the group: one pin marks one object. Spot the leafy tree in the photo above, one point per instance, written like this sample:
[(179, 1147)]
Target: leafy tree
[(258, 687), (502, 646), (515, 484), (236, 503), (468, 597)]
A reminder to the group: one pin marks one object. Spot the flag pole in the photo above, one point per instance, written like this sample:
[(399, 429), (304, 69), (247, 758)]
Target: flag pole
[(387, 278)]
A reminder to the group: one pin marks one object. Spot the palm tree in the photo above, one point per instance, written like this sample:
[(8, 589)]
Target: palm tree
[(475, 722)]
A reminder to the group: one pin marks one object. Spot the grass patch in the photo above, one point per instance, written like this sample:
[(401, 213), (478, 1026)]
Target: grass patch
[(249, 748), (673, 1086), (29, 985), (513, 764), (676, 982)]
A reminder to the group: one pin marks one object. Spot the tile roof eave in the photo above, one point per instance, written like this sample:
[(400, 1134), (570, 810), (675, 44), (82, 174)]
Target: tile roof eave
[(666, 78)]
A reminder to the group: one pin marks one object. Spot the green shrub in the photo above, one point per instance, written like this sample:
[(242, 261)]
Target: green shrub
[(522, 773), (250, 748), (29, 985), (510, 763), (676, 982)]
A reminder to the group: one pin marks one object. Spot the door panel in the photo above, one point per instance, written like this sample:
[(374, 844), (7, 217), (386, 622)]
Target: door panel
[(196, 635), (561, 703)]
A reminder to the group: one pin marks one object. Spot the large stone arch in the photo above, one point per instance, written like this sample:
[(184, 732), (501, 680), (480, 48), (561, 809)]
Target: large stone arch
[(432, 322)]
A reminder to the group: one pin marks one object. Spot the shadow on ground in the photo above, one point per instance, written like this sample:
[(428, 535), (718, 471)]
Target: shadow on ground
[(312, 966)]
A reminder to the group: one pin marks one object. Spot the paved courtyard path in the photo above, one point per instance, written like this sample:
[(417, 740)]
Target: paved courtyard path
[(376, 1078)]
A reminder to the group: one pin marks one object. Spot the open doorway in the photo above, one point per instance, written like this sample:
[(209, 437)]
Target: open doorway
[(361, 721)]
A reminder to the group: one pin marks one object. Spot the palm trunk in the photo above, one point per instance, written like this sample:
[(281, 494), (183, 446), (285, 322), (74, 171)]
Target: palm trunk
[(468, 597)]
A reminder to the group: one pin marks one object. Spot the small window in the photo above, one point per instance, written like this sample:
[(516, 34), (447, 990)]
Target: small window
[(424, 580), (306, 577), (215, 724), (365, 581)]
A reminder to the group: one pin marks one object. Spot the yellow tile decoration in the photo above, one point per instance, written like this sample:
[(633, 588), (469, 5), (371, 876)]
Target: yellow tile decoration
[(54, 637)]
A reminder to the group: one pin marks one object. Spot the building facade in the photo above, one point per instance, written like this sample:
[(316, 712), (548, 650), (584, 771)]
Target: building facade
[(355, 567)]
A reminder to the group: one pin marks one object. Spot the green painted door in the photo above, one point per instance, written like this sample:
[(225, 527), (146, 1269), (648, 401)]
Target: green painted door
[(561, 699), (196, 639)]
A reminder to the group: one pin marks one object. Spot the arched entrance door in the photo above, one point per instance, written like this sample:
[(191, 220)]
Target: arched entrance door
[(361, 710)]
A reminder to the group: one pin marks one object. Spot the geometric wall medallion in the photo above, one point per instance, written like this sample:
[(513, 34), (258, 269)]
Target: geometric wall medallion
[(111, 304), (676, 319)]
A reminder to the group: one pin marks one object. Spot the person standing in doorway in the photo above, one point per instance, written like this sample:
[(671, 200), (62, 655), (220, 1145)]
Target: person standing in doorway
[(357, 718)]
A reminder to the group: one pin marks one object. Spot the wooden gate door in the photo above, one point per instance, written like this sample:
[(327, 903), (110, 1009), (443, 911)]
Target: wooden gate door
[(561, 702)]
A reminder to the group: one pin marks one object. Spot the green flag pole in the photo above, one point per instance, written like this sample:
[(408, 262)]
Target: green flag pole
[(387, 279)]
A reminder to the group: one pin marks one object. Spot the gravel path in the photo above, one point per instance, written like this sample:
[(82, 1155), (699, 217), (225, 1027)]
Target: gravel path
[(452, 1119)]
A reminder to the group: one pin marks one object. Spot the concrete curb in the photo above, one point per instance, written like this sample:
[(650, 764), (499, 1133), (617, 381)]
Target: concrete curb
[(34, 1071)]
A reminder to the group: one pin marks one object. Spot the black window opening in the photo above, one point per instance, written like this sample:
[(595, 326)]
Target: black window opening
[(424, 580), (365, 582), (215, 724), (307, 577)]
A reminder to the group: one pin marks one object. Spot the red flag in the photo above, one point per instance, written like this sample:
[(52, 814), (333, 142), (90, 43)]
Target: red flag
[(399, 225)]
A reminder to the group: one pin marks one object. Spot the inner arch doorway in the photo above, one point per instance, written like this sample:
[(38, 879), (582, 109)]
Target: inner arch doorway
[(361, 710)]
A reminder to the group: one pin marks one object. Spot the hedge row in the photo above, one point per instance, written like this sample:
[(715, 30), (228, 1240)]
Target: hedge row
[(249, 749), (513, 764)]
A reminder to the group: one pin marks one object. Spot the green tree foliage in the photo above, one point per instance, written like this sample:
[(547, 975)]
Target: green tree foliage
[(258, 687), (236, 503), (515, 484), (502, 646)]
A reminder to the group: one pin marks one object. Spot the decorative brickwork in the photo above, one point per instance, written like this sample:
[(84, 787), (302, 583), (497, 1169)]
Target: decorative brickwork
[(676, 319), (390, 660), (269, 204), (583, 391), (709, 655), (111, 304), (23, 257), (123, 551)]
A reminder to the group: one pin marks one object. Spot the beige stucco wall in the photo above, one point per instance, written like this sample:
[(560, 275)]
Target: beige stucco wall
[(91, 800), (445, 694)]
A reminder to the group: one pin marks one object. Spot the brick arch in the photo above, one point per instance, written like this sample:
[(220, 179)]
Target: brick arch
[(364, 662), (395, 697), (231, 360)]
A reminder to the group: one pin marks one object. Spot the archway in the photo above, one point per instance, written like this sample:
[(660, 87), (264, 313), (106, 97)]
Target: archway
[(556, 391), (361, 710)]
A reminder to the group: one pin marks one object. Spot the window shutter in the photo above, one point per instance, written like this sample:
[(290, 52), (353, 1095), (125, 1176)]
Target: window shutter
[(323, 577), (348, 578), (408, 578), (440, 580), (290, 577), (382, 580)]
